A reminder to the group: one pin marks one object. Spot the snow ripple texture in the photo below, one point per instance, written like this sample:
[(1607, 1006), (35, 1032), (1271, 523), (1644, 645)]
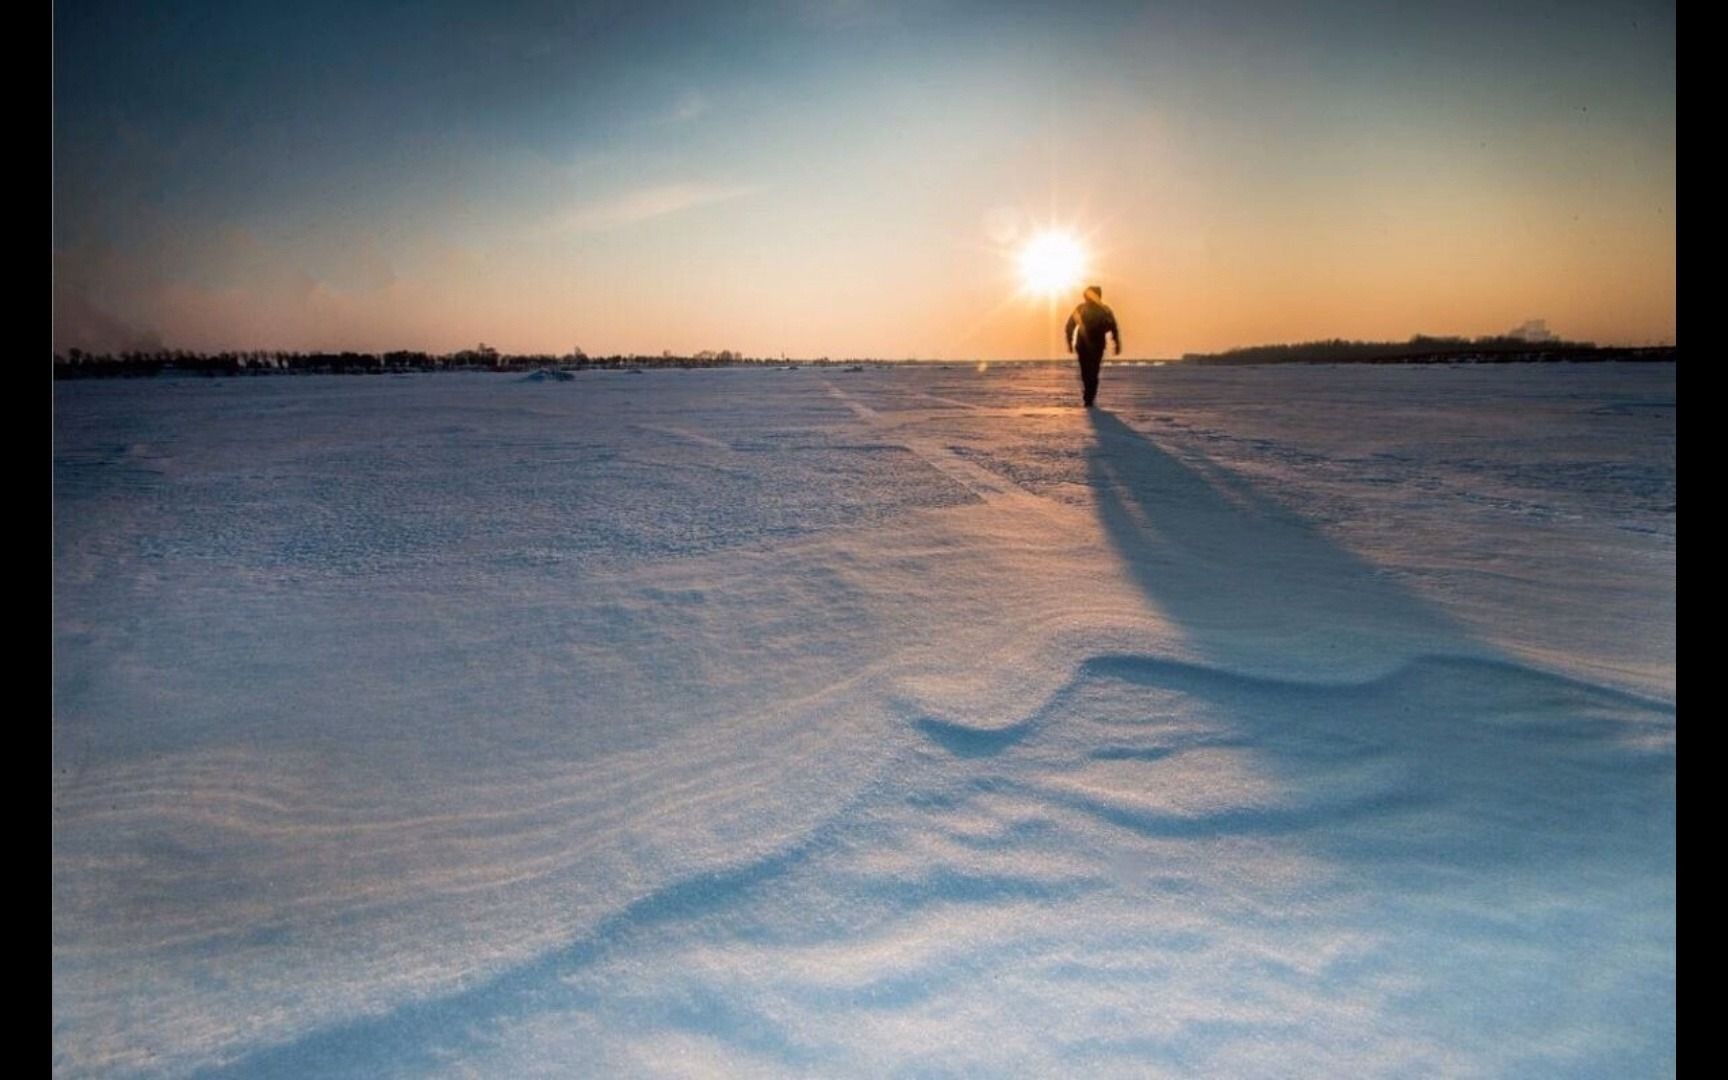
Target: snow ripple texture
[(816, 723)]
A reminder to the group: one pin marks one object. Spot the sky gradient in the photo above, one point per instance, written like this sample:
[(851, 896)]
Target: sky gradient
[(837, 178)]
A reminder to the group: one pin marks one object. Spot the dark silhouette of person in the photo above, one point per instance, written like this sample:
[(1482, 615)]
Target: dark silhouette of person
[(1085, 333)]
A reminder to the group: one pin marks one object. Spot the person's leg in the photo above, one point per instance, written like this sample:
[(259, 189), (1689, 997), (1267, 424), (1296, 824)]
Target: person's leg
[(1090, 362)]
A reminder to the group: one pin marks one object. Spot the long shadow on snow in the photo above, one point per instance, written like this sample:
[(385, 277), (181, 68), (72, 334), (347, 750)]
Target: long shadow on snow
[(1459, 769), (1250, 584)]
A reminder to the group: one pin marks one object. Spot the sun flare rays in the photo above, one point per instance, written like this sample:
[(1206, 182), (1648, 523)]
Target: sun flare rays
[(1051, 262)]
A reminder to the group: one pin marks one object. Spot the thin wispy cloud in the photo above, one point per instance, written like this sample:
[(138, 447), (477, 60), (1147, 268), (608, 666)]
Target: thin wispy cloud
[(689, 107), (843, 14), (645, 204)]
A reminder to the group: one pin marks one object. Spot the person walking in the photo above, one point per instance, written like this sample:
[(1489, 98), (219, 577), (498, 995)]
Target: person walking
[(1085, 334)]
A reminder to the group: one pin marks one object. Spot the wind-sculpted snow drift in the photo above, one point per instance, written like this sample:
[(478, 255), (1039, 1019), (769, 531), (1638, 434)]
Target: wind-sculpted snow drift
[(1265, 723)]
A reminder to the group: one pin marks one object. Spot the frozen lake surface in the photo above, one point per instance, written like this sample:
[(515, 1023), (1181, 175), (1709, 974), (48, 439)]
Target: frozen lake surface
[(1265, 722)]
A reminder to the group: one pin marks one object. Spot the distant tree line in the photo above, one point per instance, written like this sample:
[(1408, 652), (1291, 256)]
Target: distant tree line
[(1422, 349), (76, 363)]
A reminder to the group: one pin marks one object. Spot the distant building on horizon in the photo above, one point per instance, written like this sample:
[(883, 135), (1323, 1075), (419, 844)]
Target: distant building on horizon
[(1533, 330)]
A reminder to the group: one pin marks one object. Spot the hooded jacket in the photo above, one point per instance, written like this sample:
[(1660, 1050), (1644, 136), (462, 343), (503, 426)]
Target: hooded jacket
[(1088, 325)]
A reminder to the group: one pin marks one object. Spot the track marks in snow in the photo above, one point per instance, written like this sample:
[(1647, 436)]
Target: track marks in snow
[(981, 482), (684, 434)]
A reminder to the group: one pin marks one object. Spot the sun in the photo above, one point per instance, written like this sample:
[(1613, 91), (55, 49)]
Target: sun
[(1051, 262)]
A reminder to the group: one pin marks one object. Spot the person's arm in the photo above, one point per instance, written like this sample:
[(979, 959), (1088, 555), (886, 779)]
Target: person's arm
[(1068, 331), (1116, 333)]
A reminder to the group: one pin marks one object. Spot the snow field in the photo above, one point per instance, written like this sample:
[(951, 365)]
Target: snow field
[(1266, 722)]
